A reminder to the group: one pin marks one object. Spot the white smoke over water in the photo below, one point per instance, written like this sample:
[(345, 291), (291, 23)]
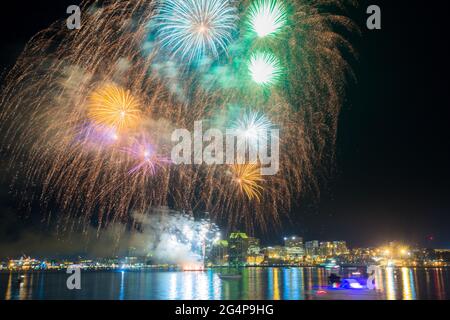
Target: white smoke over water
[(172, 237), (164, 236)]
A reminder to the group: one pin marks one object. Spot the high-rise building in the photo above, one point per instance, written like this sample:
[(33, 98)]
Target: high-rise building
[(293, 241), (274, 254), (340, 248), (326, 249), (294, 248), (254, 247), (312, 248), (237, 248), (219, 253)]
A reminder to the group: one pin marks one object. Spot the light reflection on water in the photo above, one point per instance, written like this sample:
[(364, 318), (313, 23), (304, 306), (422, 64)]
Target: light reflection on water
[(256, 284), (390, 283)]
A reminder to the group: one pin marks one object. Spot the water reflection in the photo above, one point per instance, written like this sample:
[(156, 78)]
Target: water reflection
[(276, 284), (390, 284), (293, 284), (256, 283), (439, 283), (412, 284), (122, 286), (9, 288), (407, 292)]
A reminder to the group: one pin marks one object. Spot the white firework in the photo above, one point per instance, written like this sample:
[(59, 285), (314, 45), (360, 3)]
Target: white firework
[(265, 68), (193, 29), (252, 130), (267, 17)]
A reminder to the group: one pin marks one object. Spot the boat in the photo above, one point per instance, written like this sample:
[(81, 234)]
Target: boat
[(330, 264)]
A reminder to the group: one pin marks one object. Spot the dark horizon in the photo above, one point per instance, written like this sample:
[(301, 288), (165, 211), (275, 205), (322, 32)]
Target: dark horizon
[(390, 178)]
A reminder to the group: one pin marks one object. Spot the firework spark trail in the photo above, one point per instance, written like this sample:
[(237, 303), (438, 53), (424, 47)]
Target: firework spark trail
[(47, 113)]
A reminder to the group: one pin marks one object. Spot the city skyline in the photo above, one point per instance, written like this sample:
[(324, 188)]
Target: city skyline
[(294, 246)]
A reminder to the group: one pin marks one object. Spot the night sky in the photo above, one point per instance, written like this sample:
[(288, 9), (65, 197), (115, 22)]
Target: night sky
[(391, 176)]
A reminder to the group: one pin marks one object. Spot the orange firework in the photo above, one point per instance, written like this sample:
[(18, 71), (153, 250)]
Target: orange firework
[(248, 178), (115, 107)]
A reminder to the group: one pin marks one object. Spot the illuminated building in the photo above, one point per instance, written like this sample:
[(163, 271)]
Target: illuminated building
[(326, 249), (254, 256), (237, 248), (359, 256), (312, 248), (219, 253), (294, 249), (293, 242), (274, 255), (255, 260), (26, 264), (253, 246), (340, 248)]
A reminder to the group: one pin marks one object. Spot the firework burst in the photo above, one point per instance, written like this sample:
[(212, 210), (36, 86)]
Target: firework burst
[(248, 179), (147, 158), (252, 130), (252, 126), (267, 17), (265, 68), (194, 29), (114, 107)]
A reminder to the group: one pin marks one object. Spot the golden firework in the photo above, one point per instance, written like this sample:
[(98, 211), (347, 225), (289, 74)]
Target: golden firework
[(248, 178), (113, 106)]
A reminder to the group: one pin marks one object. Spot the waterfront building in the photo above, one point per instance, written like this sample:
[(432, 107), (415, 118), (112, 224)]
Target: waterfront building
[(219, 253), (326, 249), (442, 254), (255, 260), (293, 242), (360, 256), (312, 248), (25, 264), (237, 248), (254, 248), (294, 249), (274, 255), (340, 248)]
